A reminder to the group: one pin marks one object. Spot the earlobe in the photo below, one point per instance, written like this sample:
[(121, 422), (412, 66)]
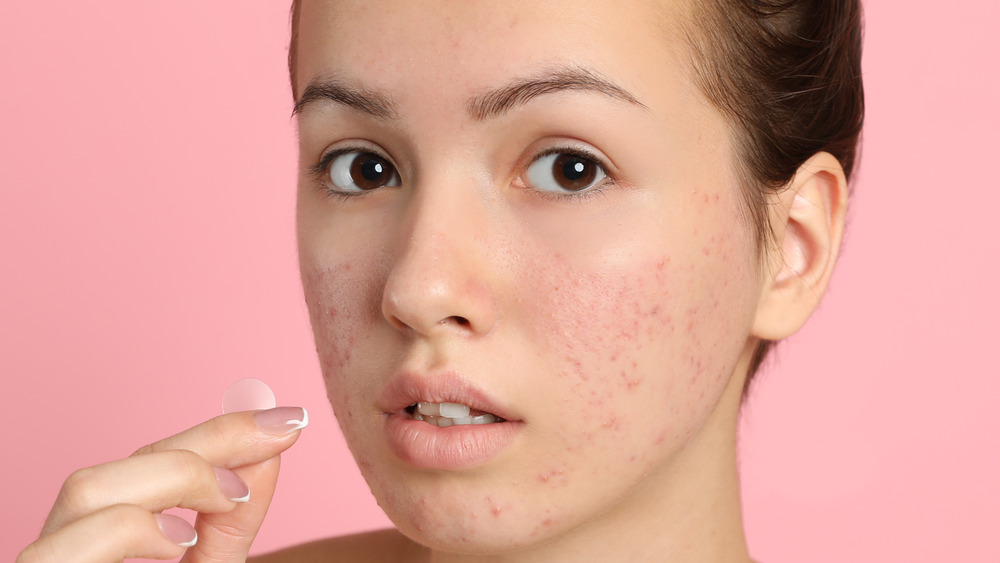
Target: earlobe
[(808, 223)]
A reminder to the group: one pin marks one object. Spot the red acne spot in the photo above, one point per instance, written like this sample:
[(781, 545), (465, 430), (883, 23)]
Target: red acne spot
[(553, 477), (661, 438), (630, 382), (496, 510), (547, 522)]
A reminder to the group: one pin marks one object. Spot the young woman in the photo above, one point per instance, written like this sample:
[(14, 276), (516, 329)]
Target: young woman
[(544, 247)]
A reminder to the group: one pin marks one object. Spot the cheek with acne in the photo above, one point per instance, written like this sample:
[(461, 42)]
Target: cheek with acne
[(635, 344), (343, 306)]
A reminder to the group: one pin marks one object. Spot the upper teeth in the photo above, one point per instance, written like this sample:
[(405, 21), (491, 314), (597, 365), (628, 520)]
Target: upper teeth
[(449, 414), (447, 410)]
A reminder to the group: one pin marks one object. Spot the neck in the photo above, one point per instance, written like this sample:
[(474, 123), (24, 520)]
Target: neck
[(688, 511)]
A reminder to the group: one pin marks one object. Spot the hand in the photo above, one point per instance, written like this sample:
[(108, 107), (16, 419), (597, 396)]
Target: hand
[(112, 511)]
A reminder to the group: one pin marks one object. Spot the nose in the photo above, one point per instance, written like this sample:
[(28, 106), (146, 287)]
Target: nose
[(440, 279)]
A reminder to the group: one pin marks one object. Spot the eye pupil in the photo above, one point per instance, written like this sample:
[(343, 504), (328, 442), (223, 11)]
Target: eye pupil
[(573, 172), (369, 172)]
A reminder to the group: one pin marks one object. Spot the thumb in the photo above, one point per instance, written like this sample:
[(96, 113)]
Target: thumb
[(226, 537)]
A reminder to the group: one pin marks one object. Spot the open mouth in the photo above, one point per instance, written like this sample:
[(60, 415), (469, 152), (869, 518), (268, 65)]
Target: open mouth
[(450, 414)]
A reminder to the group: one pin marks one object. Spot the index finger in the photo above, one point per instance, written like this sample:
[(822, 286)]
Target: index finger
[(240, 438)]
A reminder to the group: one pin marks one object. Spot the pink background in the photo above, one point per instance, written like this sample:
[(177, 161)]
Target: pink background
[(147, 168)]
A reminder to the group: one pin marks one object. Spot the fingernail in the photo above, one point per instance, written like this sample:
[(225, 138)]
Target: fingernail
[(282, 420), (232, 485), (176, 529)]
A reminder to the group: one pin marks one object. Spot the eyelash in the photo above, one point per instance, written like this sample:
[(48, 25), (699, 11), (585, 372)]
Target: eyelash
[(321, 170), (572, 197)]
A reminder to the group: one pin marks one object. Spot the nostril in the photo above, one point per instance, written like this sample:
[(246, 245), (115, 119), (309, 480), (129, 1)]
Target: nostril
[(460, 321)]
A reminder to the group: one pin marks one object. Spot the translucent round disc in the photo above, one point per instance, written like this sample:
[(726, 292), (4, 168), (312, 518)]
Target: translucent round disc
[(248, 395)]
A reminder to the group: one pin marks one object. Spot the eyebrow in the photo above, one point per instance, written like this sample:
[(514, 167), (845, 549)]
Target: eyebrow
[(496, 102), (487, 105), (372, 102)]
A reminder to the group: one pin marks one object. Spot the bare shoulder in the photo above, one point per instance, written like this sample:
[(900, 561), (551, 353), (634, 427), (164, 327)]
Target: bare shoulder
[(389, 546)]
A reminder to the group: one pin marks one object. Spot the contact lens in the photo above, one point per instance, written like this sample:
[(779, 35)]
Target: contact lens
[(248, 395)]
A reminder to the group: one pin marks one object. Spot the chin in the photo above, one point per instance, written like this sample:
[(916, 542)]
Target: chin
[(464, 513)]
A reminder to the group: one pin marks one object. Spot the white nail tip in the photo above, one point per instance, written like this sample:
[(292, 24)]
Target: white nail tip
[(190, 543), (300, 424), (244, 498)]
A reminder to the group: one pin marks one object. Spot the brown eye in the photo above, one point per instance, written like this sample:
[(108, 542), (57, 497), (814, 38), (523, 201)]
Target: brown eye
[(562, 172), (358, 171)]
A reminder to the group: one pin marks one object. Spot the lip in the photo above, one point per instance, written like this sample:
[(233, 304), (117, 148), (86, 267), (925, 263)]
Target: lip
[(426, 445)]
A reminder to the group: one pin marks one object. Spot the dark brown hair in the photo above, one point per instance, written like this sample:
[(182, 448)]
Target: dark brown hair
[(787, 75)]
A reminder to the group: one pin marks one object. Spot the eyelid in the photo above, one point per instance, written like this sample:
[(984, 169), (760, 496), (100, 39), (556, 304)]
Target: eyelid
[(321, 171), (574, 148), (570, 145), (329, 154)]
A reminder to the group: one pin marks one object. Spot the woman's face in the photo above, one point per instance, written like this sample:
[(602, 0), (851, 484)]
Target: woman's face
[(527, 208)]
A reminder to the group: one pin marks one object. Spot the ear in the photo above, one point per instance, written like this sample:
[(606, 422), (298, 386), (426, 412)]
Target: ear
[(808, 224)]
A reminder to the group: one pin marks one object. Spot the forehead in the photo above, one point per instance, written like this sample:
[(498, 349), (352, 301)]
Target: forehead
[(402, 45)]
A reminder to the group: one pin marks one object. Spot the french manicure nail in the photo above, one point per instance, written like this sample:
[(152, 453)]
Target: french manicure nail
[(232, 485), (282, 420), (176, 529)]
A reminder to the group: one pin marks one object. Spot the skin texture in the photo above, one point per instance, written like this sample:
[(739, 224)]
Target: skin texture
[(616, 325)]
